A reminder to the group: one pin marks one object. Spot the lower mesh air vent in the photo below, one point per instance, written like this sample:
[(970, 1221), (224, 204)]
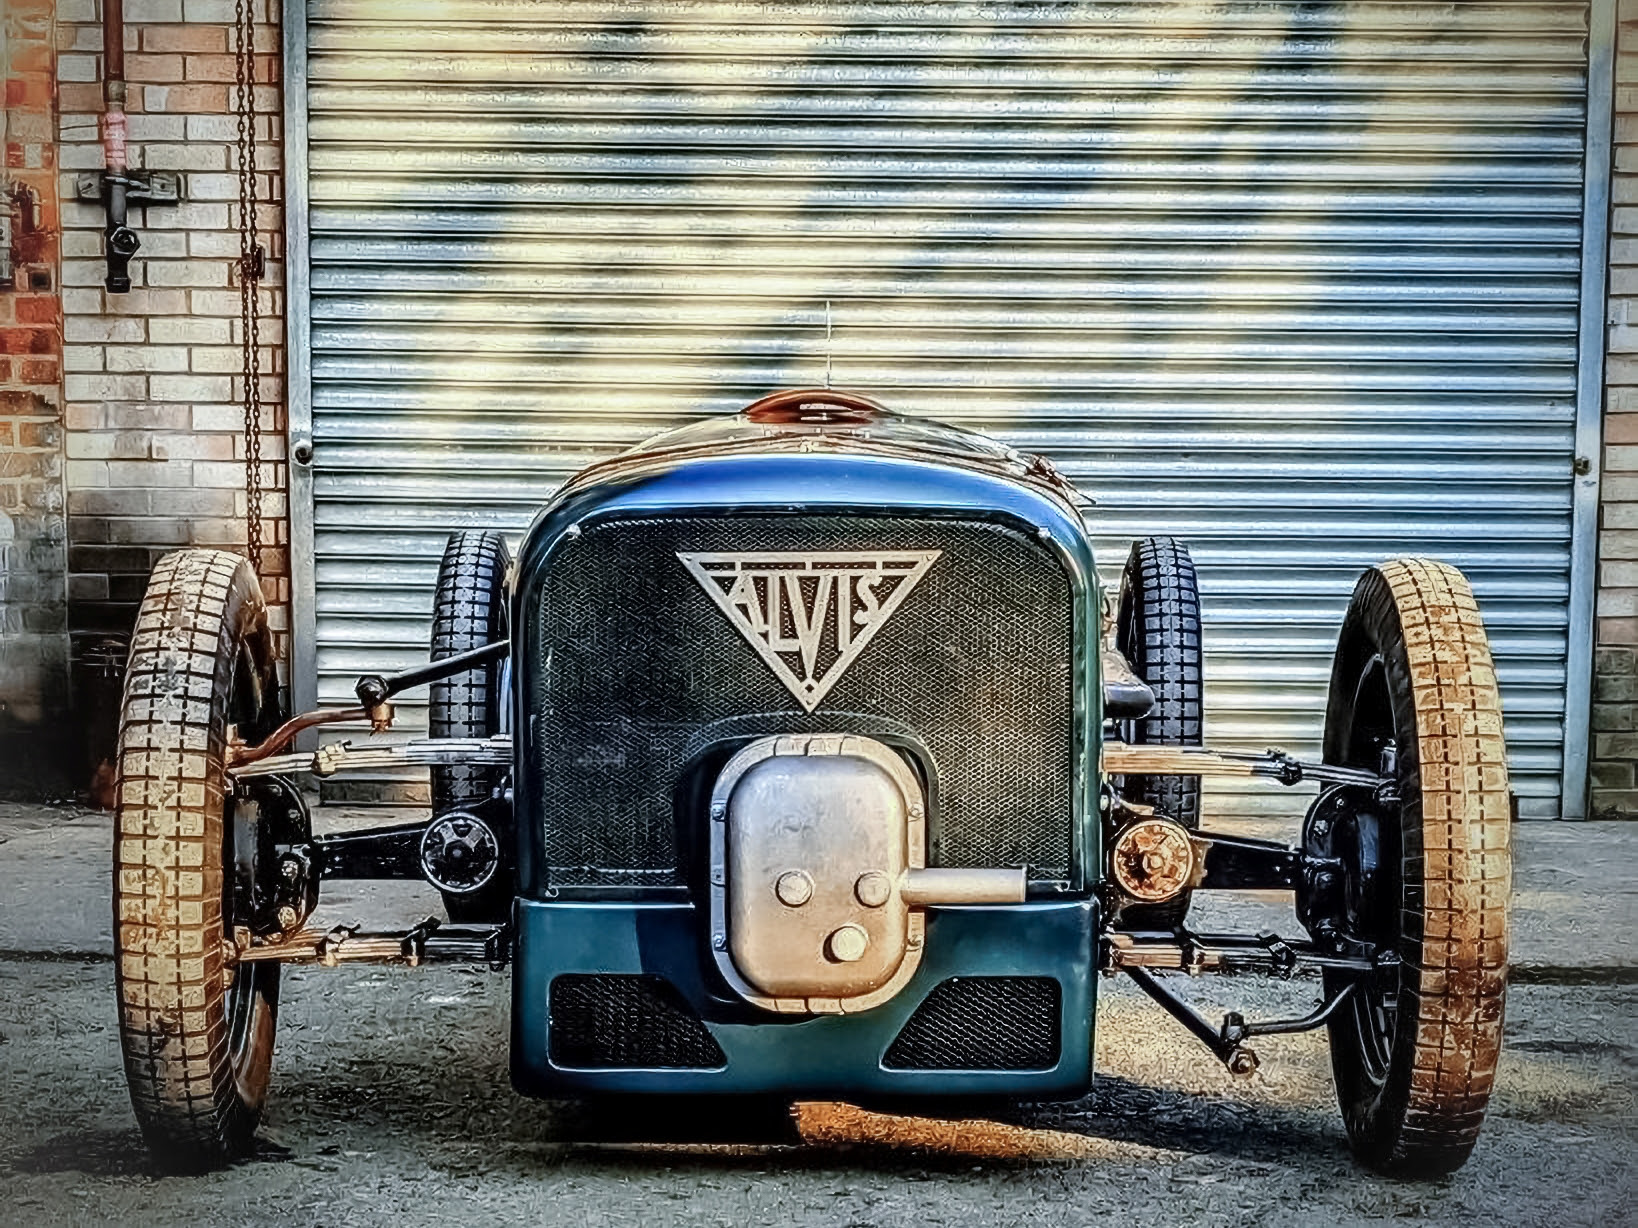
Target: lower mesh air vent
[(982, 1023), (626, 1022)]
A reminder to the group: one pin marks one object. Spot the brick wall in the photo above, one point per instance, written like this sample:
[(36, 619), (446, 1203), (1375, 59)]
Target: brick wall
[(1615, 682), (33, 646), (155, 453)]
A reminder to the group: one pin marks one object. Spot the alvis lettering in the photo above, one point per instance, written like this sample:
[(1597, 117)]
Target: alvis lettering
[(809, 614)]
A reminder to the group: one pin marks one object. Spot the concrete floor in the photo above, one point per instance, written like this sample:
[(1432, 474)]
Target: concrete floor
[(391, 1103)]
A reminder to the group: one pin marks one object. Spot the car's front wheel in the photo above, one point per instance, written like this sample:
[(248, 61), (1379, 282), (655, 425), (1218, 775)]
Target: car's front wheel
[(1413, 695), (196, 1027)]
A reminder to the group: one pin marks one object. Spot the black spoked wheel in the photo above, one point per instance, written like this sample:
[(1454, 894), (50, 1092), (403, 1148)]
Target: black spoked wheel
[(469, 611), (1413, 695), (196, 1027), (1157, 629)]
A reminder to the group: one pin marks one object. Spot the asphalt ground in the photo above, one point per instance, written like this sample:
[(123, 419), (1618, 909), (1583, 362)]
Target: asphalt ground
[(391, 1102)]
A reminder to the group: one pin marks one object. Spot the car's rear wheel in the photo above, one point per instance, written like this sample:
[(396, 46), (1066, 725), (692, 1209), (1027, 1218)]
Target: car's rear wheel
[(1157, 629), (469, 611), (1413, 694), (196, 1028)]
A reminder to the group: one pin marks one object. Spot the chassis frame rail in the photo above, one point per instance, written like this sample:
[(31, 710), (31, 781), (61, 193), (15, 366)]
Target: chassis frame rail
[(419, 752), (431, 941)]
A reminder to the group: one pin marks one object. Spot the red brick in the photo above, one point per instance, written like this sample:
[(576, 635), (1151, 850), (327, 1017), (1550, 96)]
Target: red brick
[(187, 38), (30, 17), (153, 68), (76, 96), (188, 99), (28, 92), (38, 371), (28, 341), (39, 309), (212, 68), (38, 435), (32, 56)]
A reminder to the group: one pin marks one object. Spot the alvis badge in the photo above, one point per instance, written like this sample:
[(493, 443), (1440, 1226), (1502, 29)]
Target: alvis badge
[(809, 614)]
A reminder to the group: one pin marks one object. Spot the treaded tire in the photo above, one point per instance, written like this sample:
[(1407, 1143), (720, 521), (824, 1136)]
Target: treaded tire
[(1157, 629), (197, 1040), (469, 611), (1413, 664)]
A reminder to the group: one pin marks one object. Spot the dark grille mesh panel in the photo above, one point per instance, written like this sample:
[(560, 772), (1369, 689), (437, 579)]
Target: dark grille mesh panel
[(625, 1022), (982, 1023), (636, 658)]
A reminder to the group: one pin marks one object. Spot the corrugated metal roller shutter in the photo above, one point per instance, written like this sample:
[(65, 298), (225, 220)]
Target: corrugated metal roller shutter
[(1293, 281)]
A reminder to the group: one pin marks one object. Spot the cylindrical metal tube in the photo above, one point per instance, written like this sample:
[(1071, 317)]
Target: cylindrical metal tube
[(964, 887), (113, 44), (113, 91), (119, 240)]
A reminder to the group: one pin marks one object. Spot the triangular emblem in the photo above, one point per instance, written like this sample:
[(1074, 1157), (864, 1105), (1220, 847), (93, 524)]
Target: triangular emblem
[(809, 614)]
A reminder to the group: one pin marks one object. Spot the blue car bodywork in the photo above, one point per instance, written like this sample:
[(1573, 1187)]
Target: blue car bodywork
[(915, 472)]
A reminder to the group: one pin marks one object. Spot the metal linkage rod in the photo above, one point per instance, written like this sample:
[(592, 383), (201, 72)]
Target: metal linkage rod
[(1236, 1029), (375, 689), (1235, 1056)]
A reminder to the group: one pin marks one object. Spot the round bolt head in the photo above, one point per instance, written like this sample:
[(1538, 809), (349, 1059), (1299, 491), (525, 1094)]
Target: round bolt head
[(794, 888), (847, 944), (873, 888)]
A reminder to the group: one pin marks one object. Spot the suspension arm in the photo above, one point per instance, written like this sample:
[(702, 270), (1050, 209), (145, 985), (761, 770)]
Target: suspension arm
[(375, 689), (1265, 953), (1227, 1042), (344, 756), (430, 941), (1231, 1053), (1121, 759)]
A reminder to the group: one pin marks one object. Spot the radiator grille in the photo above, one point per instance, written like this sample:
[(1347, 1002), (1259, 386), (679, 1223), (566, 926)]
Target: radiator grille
[(982, 1023), (638, 665), (626, 1022)]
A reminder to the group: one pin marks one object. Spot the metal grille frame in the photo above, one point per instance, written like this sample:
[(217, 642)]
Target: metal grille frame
[(646, 675)]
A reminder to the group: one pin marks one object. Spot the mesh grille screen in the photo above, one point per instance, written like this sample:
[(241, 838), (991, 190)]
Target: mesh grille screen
[(626, 1022), (637, 659), (982, 1023)]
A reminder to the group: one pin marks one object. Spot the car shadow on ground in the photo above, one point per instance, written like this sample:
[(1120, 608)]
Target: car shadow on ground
[(424, 1115)]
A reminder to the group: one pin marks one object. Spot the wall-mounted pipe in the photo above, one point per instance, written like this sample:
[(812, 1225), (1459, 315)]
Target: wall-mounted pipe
[(120, 240)]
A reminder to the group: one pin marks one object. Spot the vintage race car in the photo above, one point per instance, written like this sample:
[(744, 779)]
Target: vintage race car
[(796, 755)]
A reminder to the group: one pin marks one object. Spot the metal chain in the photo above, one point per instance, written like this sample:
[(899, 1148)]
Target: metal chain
[(251, 268)]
